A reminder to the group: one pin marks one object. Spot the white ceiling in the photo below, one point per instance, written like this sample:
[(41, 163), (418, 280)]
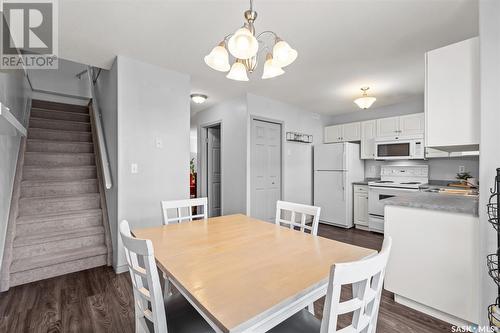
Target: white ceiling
[(342, 45)]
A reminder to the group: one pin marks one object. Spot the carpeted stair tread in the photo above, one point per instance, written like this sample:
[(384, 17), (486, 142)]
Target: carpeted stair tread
[(56, 257), (59, 135), (36, 172), (54, 146), (42, 218), (39, 104), (60, 115), (59, 124), (53, 236), (58, 159), (45, 188), (47, 205)]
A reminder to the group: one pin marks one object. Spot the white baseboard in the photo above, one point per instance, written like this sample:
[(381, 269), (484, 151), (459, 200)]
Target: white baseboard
[(121, 269)]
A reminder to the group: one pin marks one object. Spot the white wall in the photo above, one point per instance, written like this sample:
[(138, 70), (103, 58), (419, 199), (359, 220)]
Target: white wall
[(297, 157), (414, 105), (489, 36), (15, 93), (153, 103), (233, 117), (61, 81), (107, 99)]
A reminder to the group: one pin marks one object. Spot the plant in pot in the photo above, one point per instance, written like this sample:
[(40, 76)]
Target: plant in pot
[(462, 177)]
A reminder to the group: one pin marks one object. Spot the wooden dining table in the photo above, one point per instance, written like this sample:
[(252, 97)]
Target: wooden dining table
[(243, 274)]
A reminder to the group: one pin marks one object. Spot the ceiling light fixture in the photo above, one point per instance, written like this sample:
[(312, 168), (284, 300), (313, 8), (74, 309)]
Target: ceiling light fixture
[(198, 98), (365, 101), (243, 45)]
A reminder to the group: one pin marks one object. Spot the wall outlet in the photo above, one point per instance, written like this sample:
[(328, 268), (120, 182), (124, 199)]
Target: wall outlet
[(134, 168), (159, 143), (461, 169)]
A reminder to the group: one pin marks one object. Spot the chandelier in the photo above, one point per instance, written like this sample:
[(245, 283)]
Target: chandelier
[(244, 46), (365, 101)]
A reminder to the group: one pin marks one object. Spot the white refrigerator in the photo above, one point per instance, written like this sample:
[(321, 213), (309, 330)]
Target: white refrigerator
[(336, 167)]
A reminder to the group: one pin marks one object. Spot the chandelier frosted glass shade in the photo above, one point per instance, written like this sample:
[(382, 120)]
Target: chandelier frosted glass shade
[(218, 58), (365, 102), (271, 68), (238, 72), (243, 44), (283, 54)]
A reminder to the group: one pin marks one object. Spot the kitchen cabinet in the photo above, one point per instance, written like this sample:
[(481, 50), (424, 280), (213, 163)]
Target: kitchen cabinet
[(368, 134), (351, 132), (412, 124), (343, 133), (333, 134), (360, 217), (452, 97)]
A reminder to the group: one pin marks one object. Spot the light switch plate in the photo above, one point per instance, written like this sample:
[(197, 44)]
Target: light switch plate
[(461, 169), (134, 168), (159, 143)]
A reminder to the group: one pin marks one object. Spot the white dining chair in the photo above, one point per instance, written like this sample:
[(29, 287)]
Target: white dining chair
[(367, 278), (151, 311), (288, 212), (184, 210)]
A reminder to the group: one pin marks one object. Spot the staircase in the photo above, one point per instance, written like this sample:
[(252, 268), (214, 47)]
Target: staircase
[(60, 226)]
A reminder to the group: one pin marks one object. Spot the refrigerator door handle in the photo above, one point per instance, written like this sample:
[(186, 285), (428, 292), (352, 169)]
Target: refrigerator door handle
[(343, 185)]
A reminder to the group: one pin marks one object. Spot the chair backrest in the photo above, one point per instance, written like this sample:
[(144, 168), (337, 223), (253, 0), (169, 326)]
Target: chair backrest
[(184, 210), (145, 280), (366, 277), (288, 212)]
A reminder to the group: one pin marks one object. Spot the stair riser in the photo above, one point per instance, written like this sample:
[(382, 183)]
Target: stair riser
[(60, 115), (59, 106), (61, 245), (58, 160), (43, 134), (59, 125), (58, 225), (37, 274), (29, 206), (58, 189), (56, 174), (59, 147)]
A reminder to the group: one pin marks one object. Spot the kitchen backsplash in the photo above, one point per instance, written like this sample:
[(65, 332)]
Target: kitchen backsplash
[(439, 168)]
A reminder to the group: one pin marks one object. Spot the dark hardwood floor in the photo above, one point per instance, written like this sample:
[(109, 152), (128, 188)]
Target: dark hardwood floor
[(98, 300)]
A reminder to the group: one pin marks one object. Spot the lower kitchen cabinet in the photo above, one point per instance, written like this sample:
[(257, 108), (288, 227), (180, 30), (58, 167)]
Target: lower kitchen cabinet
[(361, 206)]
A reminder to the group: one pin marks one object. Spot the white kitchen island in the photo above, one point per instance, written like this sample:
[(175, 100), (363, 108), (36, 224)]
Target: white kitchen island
[(434, 264)]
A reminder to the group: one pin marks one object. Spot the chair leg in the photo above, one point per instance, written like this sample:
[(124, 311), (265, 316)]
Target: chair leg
[(167, 291), (310, 308)]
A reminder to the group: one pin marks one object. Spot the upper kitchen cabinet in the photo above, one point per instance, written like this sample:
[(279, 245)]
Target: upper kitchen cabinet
[(412, 124), (333, 134), (343, 133), (452, 97), (368, 134)]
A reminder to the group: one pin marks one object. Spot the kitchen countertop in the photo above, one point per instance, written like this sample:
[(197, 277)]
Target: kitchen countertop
[(365, 182), (437, 201)]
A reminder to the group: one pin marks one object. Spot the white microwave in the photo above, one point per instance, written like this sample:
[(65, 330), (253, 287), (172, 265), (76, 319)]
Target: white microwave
[(402, 148)]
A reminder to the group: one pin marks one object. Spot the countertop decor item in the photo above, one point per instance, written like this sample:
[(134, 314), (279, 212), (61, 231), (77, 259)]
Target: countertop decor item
[(244, 46), (493, 259)]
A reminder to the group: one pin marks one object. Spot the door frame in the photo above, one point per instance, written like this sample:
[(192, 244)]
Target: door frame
[(249, 157), (202, 183)]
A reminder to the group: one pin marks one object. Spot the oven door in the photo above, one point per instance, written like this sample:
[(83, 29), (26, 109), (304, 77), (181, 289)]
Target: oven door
[(376, 195), (393, 150)]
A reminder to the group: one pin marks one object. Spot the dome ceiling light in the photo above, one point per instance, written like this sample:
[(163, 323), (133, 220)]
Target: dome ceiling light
[(243, 45), (365, 101), (199, 98)]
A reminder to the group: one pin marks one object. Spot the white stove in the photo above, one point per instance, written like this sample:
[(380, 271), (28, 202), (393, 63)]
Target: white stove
[(394, 180)]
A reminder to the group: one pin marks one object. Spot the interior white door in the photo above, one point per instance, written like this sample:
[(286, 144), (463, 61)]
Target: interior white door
[(265, 170), (214, 171), (330, 195)]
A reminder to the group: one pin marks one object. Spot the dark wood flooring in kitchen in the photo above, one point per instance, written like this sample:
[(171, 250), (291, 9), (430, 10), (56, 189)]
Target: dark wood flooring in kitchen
[(97, 300)]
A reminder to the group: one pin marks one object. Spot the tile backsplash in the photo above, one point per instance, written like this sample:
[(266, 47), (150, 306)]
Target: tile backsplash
[(439, 168)]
